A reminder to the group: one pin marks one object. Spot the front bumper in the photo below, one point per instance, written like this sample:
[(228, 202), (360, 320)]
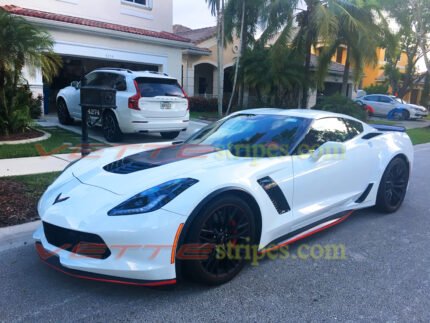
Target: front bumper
[(53, 261), (420, 114), (140, 254)]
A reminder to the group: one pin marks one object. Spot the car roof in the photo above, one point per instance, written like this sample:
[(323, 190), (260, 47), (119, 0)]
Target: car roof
[(303, 113), (122, 71)]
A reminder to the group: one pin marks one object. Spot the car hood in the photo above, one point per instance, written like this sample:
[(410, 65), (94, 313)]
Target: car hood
[(418, 107), (133, 173)]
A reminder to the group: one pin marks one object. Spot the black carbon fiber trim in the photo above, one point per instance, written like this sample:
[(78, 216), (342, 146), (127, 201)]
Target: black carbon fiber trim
[(275, 194)]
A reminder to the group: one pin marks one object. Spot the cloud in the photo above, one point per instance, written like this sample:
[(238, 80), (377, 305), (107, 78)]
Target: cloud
[(192, 13)]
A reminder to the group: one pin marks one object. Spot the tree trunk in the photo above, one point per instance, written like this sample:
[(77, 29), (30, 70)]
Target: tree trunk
[(346, 70), (220, 57), (425, 96), (239, 55), (306, 81)]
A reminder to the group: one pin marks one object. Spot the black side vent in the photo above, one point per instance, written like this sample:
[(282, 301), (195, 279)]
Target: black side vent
[(126, 166), (365, 194), (275, 194), (371, 135)]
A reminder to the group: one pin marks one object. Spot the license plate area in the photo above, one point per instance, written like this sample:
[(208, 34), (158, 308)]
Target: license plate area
[(94, 112), (166, 105)]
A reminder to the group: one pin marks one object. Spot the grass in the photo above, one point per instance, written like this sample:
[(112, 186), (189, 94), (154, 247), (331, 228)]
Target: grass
[(383, 122), (60, 142), (37, 183), (419, 135), (204, 115)]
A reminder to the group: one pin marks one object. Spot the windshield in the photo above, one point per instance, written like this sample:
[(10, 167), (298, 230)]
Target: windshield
[(399, 100), (152, 87), (250, 135)]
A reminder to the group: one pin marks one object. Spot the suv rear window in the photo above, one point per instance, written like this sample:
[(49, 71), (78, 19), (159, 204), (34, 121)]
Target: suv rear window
[(152, 87)]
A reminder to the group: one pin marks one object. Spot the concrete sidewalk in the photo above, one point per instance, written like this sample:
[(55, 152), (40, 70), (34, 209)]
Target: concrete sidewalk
[(35, 165)]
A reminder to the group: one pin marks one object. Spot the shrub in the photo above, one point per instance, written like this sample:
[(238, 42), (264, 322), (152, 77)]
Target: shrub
[(341, 104), (25, 98), (202, 104), (377, 89)]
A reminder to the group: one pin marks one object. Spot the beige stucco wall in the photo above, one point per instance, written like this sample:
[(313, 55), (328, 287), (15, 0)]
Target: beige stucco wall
[(159, 17), (190, 61)]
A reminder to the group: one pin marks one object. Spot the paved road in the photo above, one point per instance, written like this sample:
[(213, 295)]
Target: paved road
[(386, 277), (408, 124)]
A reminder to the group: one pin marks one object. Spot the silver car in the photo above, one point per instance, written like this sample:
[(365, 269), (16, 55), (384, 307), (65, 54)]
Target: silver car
[(382, 105)]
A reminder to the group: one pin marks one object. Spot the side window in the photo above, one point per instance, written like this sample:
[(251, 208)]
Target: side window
[(371, 98), (92, 79), (115, 81), (354, 128), (384, 99), (322, 131)]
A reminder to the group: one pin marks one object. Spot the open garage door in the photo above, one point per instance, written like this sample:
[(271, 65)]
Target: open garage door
[(75, 68)]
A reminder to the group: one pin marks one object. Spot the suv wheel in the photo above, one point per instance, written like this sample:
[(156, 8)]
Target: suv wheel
[(63, 113), (170, 135), (111, 130)]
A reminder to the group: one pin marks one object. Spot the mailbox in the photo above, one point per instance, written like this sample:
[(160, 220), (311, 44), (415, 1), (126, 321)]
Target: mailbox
[(94, 99)]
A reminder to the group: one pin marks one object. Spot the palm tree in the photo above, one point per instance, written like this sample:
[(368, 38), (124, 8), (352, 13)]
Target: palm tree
[(315, 24), (21, 44), (357, 30), (217, 8)]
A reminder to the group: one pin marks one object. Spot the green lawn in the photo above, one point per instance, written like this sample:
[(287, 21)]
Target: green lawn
[(384, 122), (419, 135), (61, 142), (211, 116), (36, 184)]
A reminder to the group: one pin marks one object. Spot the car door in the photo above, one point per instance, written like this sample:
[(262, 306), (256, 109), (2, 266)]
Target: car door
[(332, 183), (372, 100), (386, 104)]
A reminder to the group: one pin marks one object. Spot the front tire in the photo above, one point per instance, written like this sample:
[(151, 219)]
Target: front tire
[(63, 113), (226, 223), (110, 126), (393, 186), (170, 135)]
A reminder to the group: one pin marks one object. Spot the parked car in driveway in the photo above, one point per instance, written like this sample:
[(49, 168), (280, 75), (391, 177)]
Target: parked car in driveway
[(384, 105), (146, 102)]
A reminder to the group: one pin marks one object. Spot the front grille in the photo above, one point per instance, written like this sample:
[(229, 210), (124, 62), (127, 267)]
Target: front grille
[(81, 243)]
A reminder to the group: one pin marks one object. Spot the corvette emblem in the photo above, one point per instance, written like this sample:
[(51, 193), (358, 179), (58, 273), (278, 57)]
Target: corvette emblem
[(59, 199)]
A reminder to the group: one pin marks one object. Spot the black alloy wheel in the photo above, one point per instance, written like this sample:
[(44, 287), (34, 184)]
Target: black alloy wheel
[(224, 229), (393, 186)]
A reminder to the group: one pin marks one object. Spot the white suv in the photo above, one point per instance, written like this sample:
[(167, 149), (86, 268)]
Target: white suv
[(146, 102)]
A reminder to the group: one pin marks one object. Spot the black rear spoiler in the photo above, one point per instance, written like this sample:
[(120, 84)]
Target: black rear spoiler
[(383, 127)]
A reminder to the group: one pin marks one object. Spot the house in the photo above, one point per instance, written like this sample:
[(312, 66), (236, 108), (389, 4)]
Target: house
[(200, 69), (131, 34)]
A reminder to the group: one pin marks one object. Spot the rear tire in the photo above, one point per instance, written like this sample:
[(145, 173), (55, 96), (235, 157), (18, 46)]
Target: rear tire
[(63, 113), (170, 135), (223, 222), (111, 130), (393, 186)]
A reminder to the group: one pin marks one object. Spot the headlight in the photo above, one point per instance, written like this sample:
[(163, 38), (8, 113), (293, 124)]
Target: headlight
[(154, 198)]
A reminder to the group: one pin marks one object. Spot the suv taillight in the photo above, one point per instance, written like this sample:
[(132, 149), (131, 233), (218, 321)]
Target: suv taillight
[(133, 101), (186, 96)]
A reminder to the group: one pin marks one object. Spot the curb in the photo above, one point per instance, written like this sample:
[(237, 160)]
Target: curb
[(28, 141), (17, 235)]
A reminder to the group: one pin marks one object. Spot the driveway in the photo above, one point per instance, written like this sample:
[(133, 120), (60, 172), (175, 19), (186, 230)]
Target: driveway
[(385, 277), (96, 132)]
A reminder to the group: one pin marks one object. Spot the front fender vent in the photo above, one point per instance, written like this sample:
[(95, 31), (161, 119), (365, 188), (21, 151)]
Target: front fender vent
[(275, 194)]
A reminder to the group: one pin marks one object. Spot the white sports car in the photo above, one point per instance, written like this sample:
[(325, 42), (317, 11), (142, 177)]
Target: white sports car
[(262, 178)]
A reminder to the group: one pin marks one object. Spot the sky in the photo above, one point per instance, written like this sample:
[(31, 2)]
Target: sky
[(192, 13)]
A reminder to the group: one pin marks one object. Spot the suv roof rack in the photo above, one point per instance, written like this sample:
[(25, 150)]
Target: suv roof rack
[(115, 69), (155, 72)]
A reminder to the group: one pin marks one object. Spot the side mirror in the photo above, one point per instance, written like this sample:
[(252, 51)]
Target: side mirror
[(335, 149), (76, 84)]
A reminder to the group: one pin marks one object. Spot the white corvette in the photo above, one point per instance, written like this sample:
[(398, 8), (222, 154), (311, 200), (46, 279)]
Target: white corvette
[(259, 178)]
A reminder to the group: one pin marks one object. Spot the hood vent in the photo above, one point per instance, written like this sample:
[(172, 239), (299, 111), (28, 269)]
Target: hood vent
[(157, 157)]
